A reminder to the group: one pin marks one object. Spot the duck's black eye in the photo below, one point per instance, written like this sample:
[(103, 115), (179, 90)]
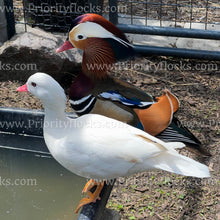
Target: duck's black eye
[(33, 84), (80, 36)]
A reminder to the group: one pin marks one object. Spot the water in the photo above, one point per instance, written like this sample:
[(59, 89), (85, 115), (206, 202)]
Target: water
[(37, 188)]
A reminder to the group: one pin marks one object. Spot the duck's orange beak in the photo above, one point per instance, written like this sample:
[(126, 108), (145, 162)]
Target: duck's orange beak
[(66, 46), (22, 88)]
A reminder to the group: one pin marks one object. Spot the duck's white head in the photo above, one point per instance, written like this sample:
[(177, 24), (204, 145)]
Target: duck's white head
[(47, 89)]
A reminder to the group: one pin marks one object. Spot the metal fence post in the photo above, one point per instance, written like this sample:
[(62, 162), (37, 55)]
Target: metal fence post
[(3, 24), (9, 12), (113, 11)]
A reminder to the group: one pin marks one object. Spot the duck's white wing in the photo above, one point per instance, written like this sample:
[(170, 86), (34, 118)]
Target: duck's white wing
[(110, 148)]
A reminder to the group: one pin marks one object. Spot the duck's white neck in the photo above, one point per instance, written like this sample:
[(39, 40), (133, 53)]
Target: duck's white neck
[(55, 117), (54, 109), (55, 122), (54, 114)]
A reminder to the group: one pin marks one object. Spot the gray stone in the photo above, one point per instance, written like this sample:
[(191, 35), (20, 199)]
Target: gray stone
[(35, 50)]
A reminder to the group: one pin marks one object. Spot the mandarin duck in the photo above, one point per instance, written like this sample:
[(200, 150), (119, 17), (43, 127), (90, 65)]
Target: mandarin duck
[(101, 148), (94, 91)]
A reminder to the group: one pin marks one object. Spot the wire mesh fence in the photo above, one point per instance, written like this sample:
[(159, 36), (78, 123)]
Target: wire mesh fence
[(178, 12), (58, 14), (171, 18), (175, 18), (51, 15)]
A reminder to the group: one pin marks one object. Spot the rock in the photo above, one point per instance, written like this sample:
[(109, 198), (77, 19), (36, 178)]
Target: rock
[(33, 51)]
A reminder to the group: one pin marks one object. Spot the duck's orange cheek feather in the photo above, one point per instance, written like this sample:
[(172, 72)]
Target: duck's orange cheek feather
[(98, 58), (81, 44)]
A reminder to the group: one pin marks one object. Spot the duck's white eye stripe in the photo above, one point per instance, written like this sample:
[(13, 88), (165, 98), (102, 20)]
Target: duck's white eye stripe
[(91, 29)]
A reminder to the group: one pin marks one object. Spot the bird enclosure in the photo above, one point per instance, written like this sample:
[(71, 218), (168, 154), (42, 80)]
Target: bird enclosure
[(145, 196)]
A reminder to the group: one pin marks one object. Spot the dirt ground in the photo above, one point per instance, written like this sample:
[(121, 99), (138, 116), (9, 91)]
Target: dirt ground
[(160, 195)]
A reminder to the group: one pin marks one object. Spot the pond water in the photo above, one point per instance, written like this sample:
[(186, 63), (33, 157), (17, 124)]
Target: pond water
[(36, 187)]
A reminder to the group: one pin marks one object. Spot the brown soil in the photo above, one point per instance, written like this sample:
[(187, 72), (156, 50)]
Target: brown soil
[(160, 195)]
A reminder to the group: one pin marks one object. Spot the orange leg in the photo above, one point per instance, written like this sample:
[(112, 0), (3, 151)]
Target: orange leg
[(89, 185), (92, 196)]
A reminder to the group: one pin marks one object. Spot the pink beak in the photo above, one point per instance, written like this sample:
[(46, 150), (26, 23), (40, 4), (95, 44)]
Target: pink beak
[(66, 46), (22, 88)]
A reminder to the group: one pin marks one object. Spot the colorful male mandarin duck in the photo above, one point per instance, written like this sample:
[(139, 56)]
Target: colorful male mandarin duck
[(106, 149), (94, 91)]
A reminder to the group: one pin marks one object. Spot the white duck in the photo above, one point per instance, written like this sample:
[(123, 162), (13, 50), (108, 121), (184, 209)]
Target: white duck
[(101, 148)]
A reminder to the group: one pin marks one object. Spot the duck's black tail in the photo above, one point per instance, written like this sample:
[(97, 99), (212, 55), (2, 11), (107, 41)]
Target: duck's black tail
[(176, 131)]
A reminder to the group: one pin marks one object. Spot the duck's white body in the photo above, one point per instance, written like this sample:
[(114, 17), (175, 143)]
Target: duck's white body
[(97, 147)]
